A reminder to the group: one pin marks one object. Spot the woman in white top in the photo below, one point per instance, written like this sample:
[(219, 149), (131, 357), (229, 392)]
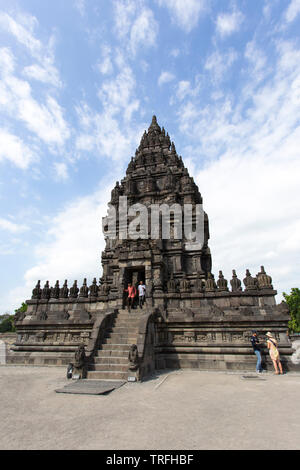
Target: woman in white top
[(274, 353)]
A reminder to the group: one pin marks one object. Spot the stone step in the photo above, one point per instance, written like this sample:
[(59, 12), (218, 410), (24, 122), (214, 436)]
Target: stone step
[(124, 329), (109, 367), (118, 339), (105, 375), (111, 359), (112, 353), (116, 347)]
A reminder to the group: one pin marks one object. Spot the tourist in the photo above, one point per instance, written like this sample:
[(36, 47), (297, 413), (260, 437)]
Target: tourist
[(131, 295), (274, 353), (142, 291), (256, 349)]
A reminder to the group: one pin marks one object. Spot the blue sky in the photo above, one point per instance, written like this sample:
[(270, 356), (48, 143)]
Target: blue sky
[(79, 83)]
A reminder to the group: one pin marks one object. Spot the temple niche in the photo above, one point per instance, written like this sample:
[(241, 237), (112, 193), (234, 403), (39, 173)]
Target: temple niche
[(191, 318)]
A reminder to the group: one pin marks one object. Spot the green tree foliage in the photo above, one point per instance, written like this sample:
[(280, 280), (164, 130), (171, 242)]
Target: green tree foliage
[(7, 324), (293, 301), (8, 321)]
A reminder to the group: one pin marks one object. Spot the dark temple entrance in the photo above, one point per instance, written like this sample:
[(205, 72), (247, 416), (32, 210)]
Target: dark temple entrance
[(134, 275)]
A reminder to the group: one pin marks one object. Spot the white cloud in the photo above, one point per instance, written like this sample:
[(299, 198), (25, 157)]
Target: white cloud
[(228, 23), (250, 186), (12, 148), (292, 11), (45, 120), (218, 63), (135, 24), (80, 6), (23, 31), (165, 77), (61, 171), (12, 227), (185, 14)]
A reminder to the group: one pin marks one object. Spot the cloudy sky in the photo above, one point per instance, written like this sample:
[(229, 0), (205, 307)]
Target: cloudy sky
[(79, 83)]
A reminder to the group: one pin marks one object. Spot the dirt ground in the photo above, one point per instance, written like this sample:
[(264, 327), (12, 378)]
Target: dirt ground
[(186, 409)]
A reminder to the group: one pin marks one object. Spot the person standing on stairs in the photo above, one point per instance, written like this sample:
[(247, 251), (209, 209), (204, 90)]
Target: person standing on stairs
[(131, 295), (142, 291)]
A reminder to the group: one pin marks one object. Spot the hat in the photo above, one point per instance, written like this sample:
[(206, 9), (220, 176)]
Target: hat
[(269, 334)]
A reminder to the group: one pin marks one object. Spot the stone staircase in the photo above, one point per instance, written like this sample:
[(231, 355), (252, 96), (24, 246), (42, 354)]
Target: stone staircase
[(111, 360)]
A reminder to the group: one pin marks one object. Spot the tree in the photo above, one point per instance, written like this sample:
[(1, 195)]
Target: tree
[(7, 324), (293, 301)]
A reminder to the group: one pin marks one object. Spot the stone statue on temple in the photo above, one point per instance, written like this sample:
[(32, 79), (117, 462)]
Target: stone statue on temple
[(263, 280), (249, 281), (235, 282), (222, 283)]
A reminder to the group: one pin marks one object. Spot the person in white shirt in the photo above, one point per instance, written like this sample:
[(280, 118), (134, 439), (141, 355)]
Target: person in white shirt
[(142, 291)]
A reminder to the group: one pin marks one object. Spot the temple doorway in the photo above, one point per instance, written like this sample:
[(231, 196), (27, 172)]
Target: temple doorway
[(134, 275)]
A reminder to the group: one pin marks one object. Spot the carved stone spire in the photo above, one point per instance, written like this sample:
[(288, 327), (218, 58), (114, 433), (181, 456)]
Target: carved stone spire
[(210, 285), (94, 289), (249, 281), (64, 291), (235, 282), (264, 281), (222, 282), (46, 291), (37, 291), (84, 290), (55, 291), (74, 290)]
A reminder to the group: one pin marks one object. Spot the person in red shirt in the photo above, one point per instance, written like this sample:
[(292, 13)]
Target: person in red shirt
[(131, 295)]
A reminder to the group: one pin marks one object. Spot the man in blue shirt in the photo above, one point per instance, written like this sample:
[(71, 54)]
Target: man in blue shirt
[(256, 348)]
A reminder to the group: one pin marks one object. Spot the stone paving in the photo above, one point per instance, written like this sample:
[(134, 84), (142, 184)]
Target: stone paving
[(186, 409)]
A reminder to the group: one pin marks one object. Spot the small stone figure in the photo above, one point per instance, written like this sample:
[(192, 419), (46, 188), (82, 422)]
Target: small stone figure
[(133, 357), (210, 285), (263, 280), (222, 283), (79, 364), (235, 282), (84, 290), (94, 289), (55, 291), (74, 291), (37, 291), (46, 291), (249, 281), (64, 291)]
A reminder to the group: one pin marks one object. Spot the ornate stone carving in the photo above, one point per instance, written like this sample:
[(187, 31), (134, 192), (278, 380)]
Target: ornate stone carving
[(64, 291), (84, 290), (133, 358), (263, 280), (55, 291), (94, 288), (249, 281), (198, 284), (37, 291), (46, 291), (222, 283), (184, 285), (171, 284), (235, 282), (210, 285), (74, 291)]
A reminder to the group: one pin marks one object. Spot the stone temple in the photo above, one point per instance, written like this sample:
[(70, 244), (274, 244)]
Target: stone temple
[(191, 318)]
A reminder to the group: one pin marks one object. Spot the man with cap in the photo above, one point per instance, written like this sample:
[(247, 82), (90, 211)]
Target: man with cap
[(256, 348)]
